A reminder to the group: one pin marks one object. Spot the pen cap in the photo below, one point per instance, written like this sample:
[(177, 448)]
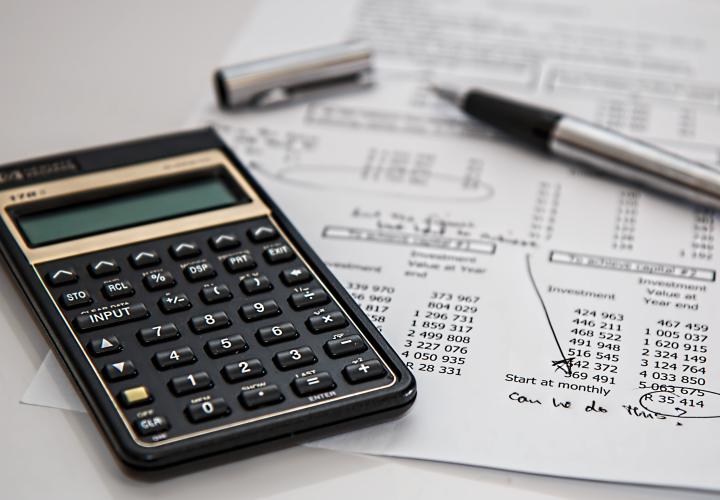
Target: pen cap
[(283, 78)]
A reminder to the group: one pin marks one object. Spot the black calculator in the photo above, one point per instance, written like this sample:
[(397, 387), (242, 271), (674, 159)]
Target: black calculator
[(193, 317)]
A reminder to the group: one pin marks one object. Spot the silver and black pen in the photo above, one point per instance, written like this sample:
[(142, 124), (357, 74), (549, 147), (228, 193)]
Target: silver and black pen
[(593, 145)]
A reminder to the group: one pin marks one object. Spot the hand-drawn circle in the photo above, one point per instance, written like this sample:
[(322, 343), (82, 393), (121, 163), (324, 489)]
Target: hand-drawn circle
[(643, 399)]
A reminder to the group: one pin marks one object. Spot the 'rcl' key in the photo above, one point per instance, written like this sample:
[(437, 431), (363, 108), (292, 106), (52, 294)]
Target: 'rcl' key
[(326, 321), (112, 316), (215, 408)]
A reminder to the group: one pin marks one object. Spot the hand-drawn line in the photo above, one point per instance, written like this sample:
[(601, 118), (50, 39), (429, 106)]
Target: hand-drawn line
[(564, 364)]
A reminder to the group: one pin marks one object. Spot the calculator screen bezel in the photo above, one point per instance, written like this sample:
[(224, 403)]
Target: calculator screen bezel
[(80, 188), (126, 190)]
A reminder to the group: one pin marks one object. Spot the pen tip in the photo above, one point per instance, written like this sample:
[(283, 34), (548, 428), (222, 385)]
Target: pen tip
[(447, 92)]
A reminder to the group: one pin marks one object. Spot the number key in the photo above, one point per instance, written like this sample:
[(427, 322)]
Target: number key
[(225, 346), (277, 333), (209, 322), (177, 357), (243, 370), (294, 358), (193, 382), (159, 333), (207, 410), (259, 310)]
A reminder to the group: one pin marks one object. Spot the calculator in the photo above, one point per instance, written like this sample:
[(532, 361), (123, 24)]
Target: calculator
[(191, 314)]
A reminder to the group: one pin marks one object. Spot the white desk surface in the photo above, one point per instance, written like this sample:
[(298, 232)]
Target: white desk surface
[(78, 74)]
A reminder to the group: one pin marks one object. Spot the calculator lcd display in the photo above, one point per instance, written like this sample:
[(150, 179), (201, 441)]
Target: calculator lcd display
[(126, 210)]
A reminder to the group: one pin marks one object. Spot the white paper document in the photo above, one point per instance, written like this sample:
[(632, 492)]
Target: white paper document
[(558, 322)]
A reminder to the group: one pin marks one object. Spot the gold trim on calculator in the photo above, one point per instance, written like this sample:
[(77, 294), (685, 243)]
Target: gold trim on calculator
[(115, 177)]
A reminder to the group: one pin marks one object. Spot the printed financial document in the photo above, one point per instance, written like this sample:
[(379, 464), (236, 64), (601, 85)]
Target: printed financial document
[(557, 321)]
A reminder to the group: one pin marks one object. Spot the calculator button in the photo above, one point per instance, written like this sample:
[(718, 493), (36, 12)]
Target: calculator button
[(193, 382), (207, 410), (226, 241), (255, 398), (159, 280), (135, 396), (61, 277), (119, 371), (278, 333), (159, 333), (145, 258), (209, 322), (262, 233), (255, 284), (200, 271), (105, 345), (295, 275), (294, 358), (312, 384), (308, 298), (76, 298), (184, 250), (105, 267), (281, 253), (111, 316), (241, 262), (362, 372), (118, 290), (259, 310), (212, 294), (151, 425), (243, 370), (174, 302), (177, 357), (232, 344), (326, 322), (345, 346)]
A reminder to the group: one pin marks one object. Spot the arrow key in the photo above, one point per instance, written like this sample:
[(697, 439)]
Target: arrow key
[(224, 242), (119, 371), (295, 275), (144, 258), (105, 345), (184, 250), (104, 267), (262, 233), (61, 276)]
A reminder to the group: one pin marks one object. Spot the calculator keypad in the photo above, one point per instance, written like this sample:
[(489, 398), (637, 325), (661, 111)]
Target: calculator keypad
[(211, 327)]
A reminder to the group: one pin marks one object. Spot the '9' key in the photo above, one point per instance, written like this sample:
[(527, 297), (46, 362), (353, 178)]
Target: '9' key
[(259, 310)]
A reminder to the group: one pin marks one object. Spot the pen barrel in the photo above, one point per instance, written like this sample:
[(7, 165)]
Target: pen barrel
[(636, 161)]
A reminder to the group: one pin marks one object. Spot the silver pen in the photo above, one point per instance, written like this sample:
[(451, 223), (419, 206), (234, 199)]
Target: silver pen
[(601, 148)]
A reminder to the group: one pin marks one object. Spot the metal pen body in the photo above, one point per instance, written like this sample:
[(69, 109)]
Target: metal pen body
[(636, 161), (584, 142)]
